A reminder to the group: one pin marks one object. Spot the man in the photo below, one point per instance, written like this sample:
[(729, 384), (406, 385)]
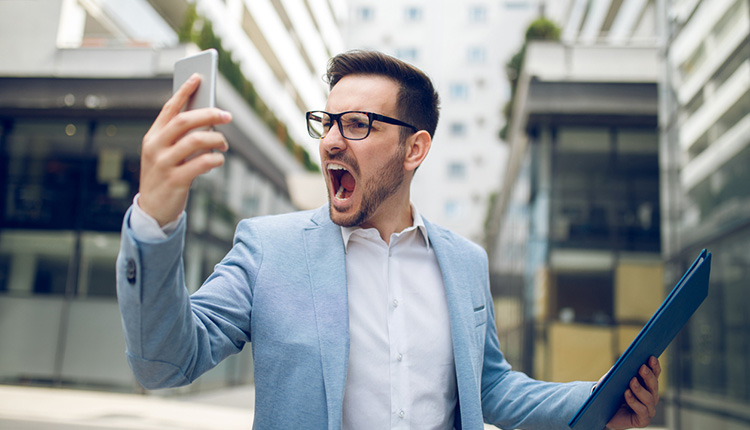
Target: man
[(362, 314)]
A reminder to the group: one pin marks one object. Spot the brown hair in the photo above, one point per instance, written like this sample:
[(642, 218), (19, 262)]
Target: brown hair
[(418, 102)]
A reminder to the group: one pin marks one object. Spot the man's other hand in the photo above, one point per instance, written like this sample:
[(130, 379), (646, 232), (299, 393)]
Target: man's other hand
[(641, 398)]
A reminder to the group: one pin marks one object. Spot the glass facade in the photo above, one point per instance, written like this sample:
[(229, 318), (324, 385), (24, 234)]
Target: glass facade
[(65, 184), (706, 134), (711, 356), (584, 210), (605, 193)]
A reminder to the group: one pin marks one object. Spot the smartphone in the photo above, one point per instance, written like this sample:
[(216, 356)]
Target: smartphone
[(205, 64)]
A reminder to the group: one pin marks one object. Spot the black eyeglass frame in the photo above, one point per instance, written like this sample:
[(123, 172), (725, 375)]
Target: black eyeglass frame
[(336, 117)]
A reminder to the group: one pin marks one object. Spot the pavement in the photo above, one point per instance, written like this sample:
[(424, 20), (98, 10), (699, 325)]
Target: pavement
[(27, 408), (31, 408)]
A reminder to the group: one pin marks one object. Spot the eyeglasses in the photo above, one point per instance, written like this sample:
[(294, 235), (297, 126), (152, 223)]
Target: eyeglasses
[(353, 125)]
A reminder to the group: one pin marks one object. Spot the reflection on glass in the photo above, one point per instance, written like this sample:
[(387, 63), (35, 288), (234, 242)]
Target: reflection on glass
[(714, 350), (723, 196), (605, 189), (97, 267), (37, 261), (43, 161)]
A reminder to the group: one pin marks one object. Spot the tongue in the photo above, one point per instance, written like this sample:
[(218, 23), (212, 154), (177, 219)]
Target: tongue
[(348, 182)]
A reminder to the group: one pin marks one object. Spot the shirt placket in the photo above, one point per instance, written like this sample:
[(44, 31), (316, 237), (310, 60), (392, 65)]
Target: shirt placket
[(397, 326)]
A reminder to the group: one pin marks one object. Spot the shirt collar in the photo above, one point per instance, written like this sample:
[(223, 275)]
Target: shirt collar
[(418, 224)]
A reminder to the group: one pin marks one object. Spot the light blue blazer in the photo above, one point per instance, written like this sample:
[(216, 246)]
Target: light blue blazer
[(283, 288)]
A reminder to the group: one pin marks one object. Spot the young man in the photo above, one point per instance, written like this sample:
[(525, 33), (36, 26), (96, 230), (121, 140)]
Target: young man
[(362, 314)]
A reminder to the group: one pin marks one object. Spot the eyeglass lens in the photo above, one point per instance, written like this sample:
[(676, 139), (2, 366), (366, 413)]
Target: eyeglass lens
[(352, 125)]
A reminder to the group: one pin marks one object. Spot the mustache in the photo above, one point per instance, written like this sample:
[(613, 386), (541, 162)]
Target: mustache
[(344, 159)]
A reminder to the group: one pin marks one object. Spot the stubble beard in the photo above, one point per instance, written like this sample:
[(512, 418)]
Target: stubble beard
[(384, 184)]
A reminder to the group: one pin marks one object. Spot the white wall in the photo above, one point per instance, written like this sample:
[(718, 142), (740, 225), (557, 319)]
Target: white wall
[(443, 39)]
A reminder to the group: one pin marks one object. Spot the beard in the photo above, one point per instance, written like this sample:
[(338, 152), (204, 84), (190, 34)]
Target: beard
[(374, 190)]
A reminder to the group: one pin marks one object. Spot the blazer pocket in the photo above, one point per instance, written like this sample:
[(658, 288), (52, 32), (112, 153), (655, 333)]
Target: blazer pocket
[(480, 315)]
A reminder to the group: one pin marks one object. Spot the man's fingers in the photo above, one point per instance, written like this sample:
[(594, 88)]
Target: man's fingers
[(185, 122), (195, 143), (643, 397), (197, 166), (651, 381), (640, 417), (655, 366), (179, 99)]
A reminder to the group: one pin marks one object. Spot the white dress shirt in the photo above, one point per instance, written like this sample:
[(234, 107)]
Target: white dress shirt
[(401, 372)]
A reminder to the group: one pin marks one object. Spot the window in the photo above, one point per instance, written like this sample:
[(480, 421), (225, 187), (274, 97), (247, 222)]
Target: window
[(713, 347), (476, 55), (407, 54), (456, 170), (606, 189), (66, 185), (477, 14), (36, 262), (457, 129), (518, 5), (413, 14), (97, 264), (365, 13), (45, 164), (459, 91), (453, 209)]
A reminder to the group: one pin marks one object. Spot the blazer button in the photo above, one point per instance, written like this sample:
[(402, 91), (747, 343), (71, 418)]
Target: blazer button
[(130, 272)]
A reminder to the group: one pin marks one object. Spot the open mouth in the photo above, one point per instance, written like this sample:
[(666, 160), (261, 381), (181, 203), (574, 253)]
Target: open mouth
[(342, 181)]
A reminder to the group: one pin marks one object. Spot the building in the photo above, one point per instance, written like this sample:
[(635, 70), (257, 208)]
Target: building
[(463, 47), (574, 237), (80, 84), (705, 147)]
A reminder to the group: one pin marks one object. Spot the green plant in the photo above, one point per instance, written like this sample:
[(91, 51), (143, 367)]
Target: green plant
[(539, 29), (195, 29)]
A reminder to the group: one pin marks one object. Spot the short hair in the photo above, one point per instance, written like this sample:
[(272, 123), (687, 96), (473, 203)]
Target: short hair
[(418, 103)]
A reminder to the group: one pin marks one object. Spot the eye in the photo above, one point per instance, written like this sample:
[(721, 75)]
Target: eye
[(359, 124), (325, 122), (356, 122)]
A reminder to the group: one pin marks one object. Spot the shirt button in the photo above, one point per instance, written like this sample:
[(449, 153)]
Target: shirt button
[(401, 413), (400, 357), (395, 303)]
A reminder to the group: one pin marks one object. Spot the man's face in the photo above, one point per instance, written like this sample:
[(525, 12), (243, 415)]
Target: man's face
[(363, 175)]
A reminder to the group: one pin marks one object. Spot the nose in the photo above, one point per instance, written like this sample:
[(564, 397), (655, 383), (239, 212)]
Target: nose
[(334, 141)]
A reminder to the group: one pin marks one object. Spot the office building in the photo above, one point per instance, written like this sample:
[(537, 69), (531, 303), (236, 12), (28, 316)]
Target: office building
[(705, 154), (574, 238), (463, 47), (80, 84)]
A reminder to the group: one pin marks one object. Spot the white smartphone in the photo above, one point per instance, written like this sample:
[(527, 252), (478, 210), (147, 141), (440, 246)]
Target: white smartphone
[(205, 64)]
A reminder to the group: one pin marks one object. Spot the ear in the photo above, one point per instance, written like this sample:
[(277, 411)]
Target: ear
[(417, 147)]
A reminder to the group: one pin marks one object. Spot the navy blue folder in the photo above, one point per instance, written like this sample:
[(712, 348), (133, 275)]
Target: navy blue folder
[(653, 339)]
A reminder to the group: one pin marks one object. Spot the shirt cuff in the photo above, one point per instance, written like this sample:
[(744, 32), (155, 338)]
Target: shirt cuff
[(146, 228)]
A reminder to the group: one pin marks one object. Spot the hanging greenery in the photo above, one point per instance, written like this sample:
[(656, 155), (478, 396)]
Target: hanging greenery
[(199, 31), (540, 29)]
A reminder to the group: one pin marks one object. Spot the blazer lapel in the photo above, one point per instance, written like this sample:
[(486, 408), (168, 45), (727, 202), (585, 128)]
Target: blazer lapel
[(326, 262), (460, 311)]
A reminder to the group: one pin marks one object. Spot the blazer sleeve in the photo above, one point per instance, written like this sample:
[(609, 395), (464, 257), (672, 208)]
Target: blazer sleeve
[(173, 338), (511, 399)]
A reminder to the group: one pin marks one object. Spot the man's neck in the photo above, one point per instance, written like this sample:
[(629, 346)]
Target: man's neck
[(391, 220)]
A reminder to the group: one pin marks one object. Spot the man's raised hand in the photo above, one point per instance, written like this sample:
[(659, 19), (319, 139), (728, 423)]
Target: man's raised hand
[(166, 171)]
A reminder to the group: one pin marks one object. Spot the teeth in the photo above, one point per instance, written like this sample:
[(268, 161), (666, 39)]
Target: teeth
[(340, 191)]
